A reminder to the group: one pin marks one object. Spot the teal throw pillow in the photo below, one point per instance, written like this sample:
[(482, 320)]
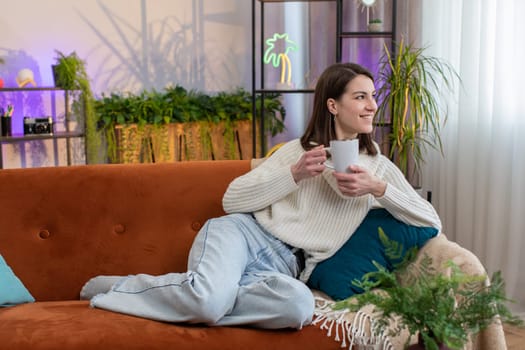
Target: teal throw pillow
[(12, 290), (353, 260)]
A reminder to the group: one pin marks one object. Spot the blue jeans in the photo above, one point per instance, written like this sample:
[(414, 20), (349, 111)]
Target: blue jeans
[(238, 274)]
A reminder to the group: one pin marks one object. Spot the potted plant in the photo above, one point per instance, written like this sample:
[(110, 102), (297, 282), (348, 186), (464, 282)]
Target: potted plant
[(183, 124), (410, 84), (375, 25), (70, 74), (442, 305)]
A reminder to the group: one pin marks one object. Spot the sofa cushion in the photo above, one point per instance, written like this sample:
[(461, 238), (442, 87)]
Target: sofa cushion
[(334, 276), (73, 325), (12, 290)]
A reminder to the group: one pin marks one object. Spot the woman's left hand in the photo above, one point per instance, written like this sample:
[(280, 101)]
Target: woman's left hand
[(359, 182)]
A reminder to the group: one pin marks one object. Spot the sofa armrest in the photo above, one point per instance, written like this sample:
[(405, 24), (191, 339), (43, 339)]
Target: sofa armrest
[(440, 249)]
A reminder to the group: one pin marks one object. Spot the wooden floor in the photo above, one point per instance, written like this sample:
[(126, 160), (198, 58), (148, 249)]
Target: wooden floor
[(515, 337)]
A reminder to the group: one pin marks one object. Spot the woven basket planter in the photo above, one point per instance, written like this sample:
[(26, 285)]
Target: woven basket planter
[(183, 141)]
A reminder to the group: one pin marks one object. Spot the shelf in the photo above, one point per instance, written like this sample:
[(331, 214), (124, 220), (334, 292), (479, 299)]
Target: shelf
[(42, 88), (56, 135), (287, 91), (365, 35), (63, 135), (296, 0)]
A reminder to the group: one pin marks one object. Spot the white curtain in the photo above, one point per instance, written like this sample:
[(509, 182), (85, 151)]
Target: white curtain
[(478, 186)]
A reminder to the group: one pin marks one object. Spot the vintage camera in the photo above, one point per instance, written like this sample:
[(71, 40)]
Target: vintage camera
[(38, 126)]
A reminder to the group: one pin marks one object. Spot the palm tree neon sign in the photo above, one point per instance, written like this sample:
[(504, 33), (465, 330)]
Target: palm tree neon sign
[(281, 58)]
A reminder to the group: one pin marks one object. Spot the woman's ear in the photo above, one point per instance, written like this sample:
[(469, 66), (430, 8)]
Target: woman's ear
[(331, 105)]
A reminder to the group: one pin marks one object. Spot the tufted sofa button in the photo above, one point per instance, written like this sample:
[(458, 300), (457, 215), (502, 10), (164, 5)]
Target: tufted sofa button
[(119, 228), (44, 234), (196, 225)]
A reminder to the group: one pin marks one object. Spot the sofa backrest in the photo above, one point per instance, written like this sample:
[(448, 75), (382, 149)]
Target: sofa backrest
[(60, 226)]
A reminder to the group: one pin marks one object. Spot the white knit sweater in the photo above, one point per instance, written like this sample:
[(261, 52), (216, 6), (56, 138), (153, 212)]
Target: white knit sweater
[(314, 215)]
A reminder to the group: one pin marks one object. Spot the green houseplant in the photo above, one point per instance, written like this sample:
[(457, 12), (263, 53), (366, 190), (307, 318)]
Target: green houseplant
[(410, 84), (70, 74), (206, 126), (443, 308)]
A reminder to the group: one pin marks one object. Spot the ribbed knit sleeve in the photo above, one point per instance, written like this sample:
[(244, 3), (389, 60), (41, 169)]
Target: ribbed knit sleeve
[(258, 190), (263, 186), (402, 201)]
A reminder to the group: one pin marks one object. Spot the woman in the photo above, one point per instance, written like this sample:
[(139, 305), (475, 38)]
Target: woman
[(242, 269)]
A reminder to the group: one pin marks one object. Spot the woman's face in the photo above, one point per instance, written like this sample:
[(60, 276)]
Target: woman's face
[(354, 111)]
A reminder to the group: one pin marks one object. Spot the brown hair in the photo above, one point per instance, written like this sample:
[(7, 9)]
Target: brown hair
[(332, 84)]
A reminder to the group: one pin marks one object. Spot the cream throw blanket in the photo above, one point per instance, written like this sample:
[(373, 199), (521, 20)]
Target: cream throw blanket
[(352, 329)]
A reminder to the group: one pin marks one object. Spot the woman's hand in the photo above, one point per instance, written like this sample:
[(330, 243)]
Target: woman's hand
[(359, 182), (310, 164)]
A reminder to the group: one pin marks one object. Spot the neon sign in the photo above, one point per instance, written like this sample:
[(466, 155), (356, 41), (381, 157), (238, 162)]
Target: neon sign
[(276, 58)]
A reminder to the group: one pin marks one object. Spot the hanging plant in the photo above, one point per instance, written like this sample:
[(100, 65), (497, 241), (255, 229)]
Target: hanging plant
[(70, 74)]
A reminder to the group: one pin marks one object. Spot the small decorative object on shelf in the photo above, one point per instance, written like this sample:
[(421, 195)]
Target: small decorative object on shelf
[(6, 126), (25, 77), (282, 43), (38, 126), (375, 25), (5, 117)]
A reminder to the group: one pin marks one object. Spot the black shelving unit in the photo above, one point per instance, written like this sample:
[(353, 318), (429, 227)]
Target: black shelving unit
[(342, 35), (67, 134)]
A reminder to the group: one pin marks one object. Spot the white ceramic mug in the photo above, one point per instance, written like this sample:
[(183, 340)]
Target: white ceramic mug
[(344, 153)]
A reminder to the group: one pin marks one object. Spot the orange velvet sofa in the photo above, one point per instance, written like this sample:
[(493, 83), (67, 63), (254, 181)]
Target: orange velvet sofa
[(63, 225)]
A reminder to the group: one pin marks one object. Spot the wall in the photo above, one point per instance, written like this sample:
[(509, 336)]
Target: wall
[(128, 45), (133, 44)]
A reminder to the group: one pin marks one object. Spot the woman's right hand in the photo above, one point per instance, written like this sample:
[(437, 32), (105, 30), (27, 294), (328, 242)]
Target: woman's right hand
[(310, 164)]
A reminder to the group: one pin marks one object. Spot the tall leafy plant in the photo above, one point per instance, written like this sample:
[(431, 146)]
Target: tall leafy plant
[(410, 84), (70, 74)]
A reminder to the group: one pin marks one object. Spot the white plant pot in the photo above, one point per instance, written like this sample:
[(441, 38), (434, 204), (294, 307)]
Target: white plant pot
[(375, 27), (73, 125)]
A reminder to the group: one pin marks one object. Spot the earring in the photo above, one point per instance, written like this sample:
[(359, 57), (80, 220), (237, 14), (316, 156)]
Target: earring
[(332, 121)]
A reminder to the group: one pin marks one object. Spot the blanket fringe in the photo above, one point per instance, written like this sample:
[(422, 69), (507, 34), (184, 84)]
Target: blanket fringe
[(349, 333)]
